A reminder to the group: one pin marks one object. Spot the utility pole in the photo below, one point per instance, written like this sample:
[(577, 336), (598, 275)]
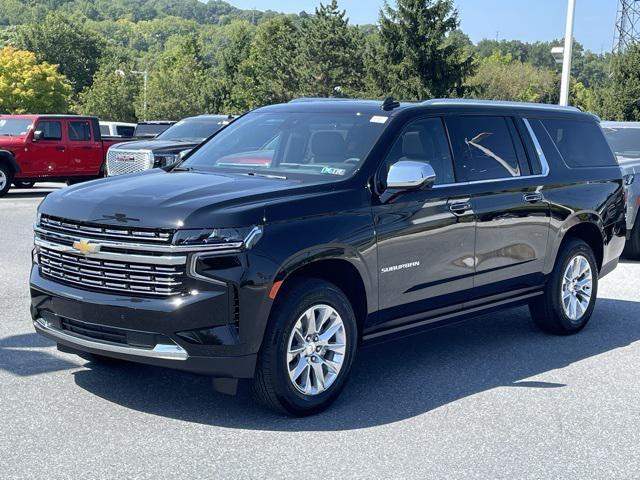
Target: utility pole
[(627, 25), (568, 50)]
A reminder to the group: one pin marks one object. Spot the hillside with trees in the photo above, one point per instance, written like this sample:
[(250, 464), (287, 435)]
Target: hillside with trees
[(213, 57)]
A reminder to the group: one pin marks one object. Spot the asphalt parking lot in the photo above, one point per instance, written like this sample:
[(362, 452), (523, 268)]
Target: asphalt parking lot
[(489, 398)]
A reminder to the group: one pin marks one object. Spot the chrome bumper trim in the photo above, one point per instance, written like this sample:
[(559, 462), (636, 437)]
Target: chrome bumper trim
[(161, 351)]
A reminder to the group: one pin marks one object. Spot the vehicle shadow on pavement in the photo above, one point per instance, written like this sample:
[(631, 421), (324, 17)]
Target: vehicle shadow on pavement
[(17, 355), (26, 194), (391, 381)]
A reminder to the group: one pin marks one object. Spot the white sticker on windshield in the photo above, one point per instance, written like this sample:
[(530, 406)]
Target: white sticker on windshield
[(378, 119), (334, 171)]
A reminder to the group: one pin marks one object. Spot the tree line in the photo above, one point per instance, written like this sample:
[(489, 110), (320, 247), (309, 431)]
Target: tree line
[(63, 55)]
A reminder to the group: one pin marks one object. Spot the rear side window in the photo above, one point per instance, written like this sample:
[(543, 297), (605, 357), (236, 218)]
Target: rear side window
[(581, 144), (50, 130), (79, 131), (484, 147), (104, 130)]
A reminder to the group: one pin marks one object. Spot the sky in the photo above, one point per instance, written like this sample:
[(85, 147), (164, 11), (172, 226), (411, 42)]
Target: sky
[(526, 20)]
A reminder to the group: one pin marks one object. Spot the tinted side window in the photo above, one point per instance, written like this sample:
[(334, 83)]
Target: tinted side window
[(484, 148), (79, 131), (125, 131), (50, 130), (425, 140), (581, 144)]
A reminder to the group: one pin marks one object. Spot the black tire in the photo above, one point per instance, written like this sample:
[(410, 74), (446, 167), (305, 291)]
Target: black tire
[(20, 184), (548, 311), (632, 247), (272, 384), (6, 177)]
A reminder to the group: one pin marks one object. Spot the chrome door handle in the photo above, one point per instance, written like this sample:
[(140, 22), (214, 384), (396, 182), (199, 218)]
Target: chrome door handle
[(460, 207), (533, 197)]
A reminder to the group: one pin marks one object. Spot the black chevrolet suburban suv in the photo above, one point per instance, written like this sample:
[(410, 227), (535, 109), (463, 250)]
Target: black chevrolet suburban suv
[(301, 230)]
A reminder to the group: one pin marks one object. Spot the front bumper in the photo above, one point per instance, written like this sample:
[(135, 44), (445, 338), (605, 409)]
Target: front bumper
[(143, 330)]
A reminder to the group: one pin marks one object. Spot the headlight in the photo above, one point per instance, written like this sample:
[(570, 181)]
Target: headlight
[(162, 160), (230, 237)]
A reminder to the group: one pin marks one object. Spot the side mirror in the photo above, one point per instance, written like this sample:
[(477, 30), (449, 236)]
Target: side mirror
[(410, 175), (38, 135)]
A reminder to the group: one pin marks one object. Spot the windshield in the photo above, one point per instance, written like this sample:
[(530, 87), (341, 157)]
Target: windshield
[(14, 126), (193, 129), (624, 142), (150, 129), (322, 145)]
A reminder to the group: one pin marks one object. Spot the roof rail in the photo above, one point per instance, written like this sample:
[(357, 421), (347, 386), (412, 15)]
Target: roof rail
[(319, 99), (498, 103)]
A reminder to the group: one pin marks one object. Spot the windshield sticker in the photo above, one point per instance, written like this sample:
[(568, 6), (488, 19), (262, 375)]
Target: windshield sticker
[(379, 119), (334, 171)]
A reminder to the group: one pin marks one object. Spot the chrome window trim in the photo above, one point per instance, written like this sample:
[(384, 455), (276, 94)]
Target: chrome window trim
[(140, 246), (163, 351)]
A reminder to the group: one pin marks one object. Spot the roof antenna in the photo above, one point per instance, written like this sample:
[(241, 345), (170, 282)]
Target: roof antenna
[(389, 104)]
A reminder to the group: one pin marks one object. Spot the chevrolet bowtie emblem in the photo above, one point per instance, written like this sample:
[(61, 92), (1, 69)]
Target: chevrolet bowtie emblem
[(85, 248)]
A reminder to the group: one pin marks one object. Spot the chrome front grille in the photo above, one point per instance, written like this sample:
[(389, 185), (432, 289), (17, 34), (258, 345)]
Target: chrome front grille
[(123, 277), (120, 162), (116, 259), (97, 231)]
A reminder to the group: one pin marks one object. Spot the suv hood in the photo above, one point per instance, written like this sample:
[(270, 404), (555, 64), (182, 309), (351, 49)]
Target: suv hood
[(155, 145), (160, 199), (12, 140)]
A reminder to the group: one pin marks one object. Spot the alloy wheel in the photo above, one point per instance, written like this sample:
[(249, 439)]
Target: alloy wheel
[(577, 287), (316, 350)]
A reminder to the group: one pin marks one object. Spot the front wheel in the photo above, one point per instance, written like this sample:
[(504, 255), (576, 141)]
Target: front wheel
[(6, 175), (308, 350), (570, 295)]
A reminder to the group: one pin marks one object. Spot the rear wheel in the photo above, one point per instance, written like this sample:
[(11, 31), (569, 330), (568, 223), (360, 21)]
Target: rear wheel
[(570, 294), (308, 349), (632, 248), (6, 175), (20, 184)]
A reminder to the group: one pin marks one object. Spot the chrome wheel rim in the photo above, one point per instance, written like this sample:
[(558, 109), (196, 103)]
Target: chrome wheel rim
[(3, 180), (577, 287), (316, 350)]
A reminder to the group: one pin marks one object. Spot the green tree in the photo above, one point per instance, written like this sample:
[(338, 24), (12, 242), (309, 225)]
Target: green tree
[(60, 41), (269, 74), (421, 57), (111, 96), (620, 98), (501, 77), (233, 52), (180, 85), (331, 60), (29, 86)]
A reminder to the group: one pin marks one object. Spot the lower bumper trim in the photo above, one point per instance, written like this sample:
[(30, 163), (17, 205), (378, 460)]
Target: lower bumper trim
[(160, 351)]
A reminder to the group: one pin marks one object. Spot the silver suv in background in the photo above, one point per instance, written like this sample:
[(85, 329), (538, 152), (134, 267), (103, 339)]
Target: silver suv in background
[(624, 138), (165, 149)]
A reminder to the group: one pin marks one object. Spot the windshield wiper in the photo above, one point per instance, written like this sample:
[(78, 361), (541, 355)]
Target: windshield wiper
[(182, 169), (265, 175)]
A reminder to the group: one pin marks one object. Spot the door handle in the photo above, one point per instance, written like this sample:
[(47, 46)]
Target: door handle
[(533, 197), (60, 148), (460, 207), (87, 147)]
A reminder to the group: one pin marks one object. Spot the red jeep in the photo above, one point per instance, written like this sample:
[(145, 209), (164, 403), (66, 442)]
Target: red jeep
[(35, 148)]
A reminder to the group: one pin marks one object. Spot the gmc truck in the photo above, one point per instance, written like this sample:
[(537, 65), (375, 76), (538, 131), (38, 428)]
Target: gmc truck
[(363, 220), (36, 148)]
